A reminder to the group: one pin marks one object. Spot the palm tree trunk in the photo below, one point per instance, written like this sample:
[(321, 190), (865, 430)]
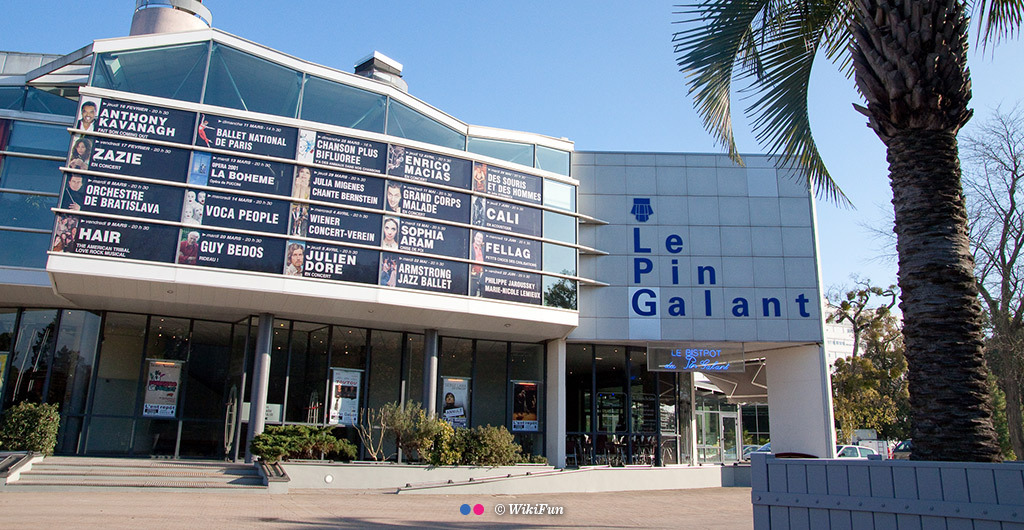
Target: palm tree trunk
[(942, 316), (910, 60)]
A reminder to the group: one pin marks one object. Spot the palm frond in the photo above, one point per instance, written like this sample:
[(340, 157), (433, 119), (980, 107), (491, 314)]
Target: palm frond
[(997, 19)]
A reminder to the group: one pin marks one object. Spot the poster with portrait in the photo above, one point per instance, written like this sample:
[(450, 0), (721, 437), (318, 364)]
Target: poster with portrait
[(507, 285), (423, 274), (345, 384), (506, 216), (238, 211), (341, 152), (343, 226), (126, 158), (136, 120), (508, 184), (243, 174), (298, 219), (431, 203), (346, 189), (424, 166), (432, 238), (121, 197), (115, 238), (230, 251), (455, 401), (505, 250), (163, 380), (524, 406), (330, 262), (245, 136)]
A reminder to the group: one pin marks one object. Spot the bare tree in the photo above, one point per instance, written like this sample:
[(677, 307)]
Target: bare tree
[(855, 307), (993, 180)]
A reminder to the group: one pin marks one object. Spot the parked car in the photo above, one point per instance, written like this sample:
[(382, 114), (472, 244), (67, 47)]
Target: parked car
[(766, 448), (902, 450), (747, 449), (854, 451)]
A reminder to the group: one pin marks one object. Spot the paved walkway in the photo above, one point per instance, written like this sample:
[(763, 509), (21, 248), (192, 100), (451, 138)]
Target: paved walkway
[(713, 508)]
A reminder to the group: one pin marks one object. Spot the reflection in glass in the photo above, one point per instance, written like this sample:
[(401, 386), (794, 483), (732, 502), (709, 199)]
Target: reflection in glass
[(31, 356), (27, 211), (174, 72), (73, 361), (560, 227), (308, 374), (30, 174), (578, 371), (610, 374), (559, 259), (207, 383), (491, 384), (348, 348), (117, 376), (553, 160), (407, 123), (43, 101), (24, 249), (241, 81), (168, 339), (39, 139), (7, 319), (559, 292), (113, 436), (502, 150), (11, 97), (414, 379), (337, 104), (559, 195)]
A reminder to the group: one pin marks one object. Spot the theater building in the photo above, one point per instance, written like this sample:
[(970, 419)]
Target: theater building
[(205, 236)]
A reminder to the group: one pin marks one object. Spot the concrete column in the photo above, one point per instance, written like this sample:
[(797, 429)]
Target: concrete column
[(260, 380), (554, 412), (430, 372), (686, 378), (800, 401)]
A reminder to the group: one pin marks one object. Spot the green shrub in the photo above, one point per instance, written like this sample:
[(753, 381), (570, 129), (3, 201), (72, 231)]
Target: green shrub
[(30, 427), (442, 450), (487, 446), (282, 442), (411, 428)]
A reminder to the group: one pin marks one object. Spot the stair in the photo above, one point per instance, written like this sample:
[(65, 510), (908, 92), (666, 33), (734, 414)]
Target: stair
[(69, 472)]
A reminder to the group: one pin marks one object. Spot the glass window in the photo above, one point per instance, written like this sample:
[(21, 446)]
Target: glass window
[(348, 348), (307, 378), (11, 97), (527, 361), (490, 388), (7, 318), (559, 259), (30, 358), (559, 195), (578, 370), (117, 376), (30, 174), (73, 361), (560, 227), (24, 249), (553, 160), (39, 139), (407, 123), (385, 363), (611, 396), (509, 151), (643, 397), (27, 211), (414, 383), (240, 81), (559, 292), (278, 365), (337, 104), (168, 339), (206, 372), (174, 72), (37, 100)]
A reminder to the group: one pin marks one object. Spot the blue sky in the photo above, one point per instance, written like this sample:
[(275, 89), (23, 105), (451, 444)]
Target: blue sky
[(600, 73)]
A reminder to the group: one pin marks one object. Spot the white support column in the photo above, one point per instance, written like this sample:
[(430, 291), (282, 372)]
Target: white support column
[(260, 380), (554, 412), (430, 371), (800, 401)]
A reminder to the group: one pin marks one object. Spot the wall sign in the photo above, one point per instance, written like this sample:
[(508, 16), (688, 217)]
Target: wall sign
[(163, 380), (244, 136), (341, 151), (434, 168), (696, 357), (122, 118), (345, 396)]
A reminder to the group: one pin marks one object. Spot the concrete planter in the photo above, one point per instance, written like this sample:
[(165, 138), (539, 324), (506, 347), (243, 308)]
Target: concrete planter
[(376, 475), (844, 493)]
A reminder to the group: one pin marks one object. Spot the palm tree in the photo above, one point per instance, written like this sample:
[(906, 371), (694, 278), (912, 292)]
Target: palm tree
[(909, 61)]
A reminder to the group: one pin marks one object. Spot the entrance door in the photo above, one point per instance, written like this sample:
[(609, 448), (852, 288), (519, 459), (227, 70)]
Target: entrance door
[(730, 437)]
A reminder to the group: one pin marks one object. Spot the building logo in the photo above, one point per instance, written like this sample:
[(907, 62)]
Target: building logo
[(642, 209)]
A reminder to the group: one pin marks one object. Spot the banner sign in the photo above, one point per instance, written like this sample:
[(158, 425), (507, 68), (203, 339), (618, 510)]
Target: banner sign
[(236, 211), (423, 274), (122, 197), (432, 238), (500, 215), (163, 380), (328, 262), (138, 121), (346, 189), (344, 396), (506, 250), (456, 401), (422, 166), (696, 357), (341, 152), (432, 203), (524, 406), (503, 284), (114, 238), (242, 174), (507, 183), (342, 225), (230, 251), (246, 136), (126, 158)]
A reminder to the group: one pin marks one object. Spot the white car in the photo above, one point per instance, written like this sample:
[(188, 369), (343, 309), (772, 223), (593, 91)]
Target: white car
[(854, 451)]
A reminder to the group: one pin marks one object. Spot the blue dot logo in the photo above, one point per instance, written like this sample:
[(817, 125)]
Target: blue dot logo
[(464, 509)]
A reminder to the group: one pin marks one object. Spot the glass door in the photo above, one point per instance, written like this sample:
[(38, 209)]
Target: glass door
[(730, 437)]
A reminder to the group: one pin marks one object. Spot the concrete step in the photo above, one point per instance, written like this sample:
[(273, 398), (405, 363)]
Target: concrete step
[(73, 472)]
